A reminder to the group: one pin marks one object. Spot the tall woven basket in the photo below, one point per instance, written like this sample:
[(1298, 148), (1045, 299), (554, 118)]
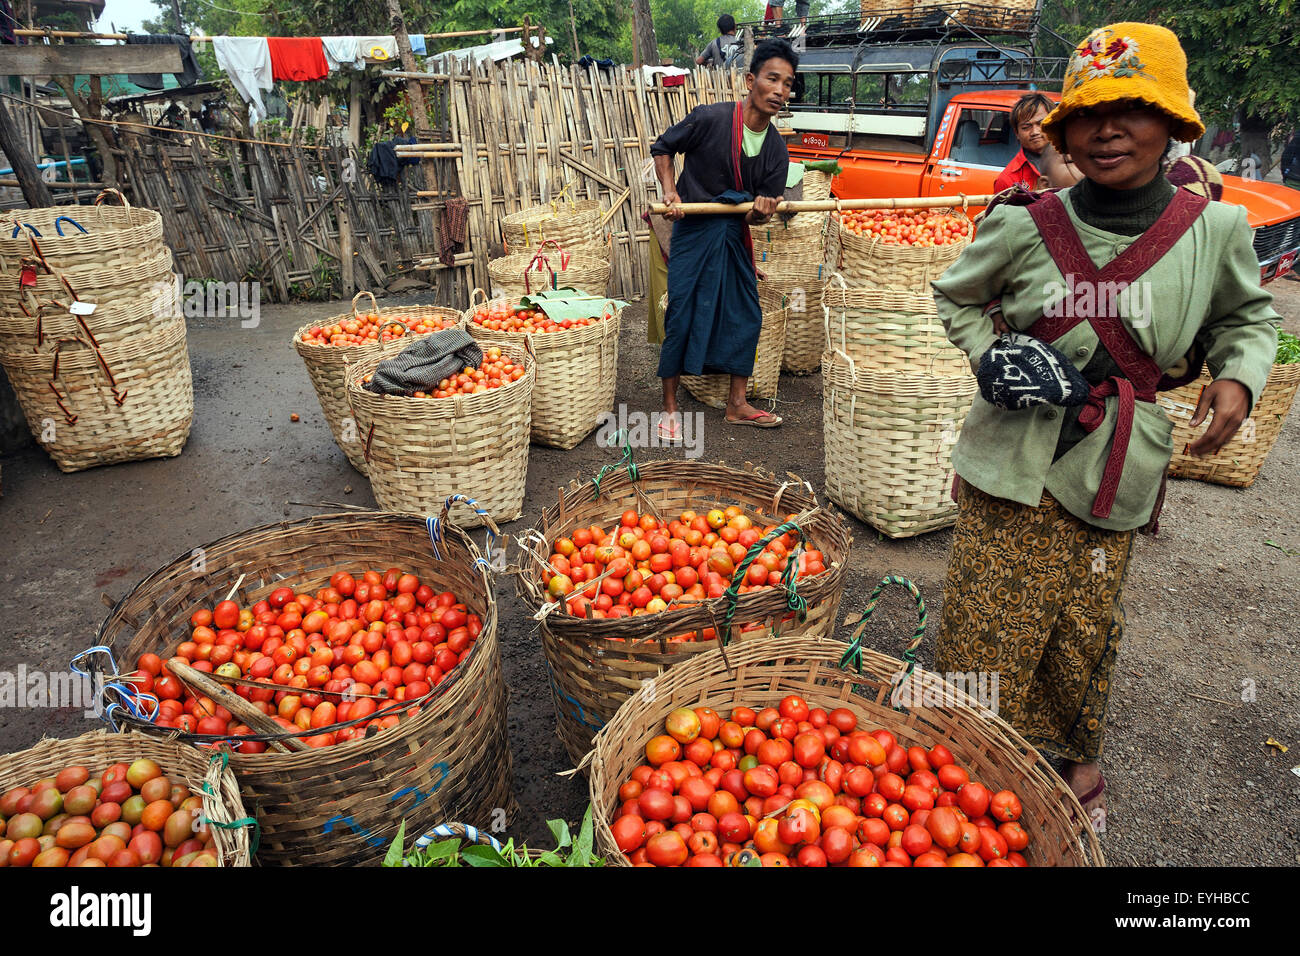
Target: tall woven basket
[(888, 443), (205, 775), (764, 381), (876, 264), (448, 758), (805, 329), (760, 673), (548, 268), (574, 225), (816, 185), (577, 374), (107, 238), (1238, 462), (595, 665), (421, 450), (327, 365), (889, 331)]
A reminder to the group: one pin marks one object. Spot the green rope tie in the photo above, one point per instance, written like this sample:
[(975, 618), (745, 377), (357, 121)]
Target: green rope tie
[(853, 653), (627, 463), (794, 601)]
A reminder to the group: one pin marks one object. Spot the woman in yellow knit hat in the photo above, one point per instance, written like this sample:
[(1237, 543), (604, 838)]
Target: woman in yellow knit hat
[(1110, 290)]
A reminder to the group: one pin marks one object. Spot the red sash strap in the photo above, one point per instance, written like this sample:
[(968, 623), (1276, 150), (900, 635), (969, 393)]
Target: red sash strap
[(737, 138), (1141, 374)]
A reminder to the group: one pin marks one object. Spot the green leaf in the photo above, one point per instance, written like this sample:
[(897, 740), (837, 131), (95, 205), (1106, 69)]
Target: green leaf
[(550, 858), (394, 855), (582, 849), (442, 853), (482, 856), (560, 831)]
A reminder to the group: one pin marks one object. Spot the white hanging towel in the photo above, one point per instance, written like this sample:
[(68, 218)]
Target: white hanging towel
[(343, 53), (247, 60), (379, 48)]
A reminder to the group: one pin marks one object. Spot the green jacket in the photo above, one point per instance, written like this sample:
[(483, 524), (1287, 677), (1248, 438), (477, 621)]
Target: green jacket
[(1206, 288)]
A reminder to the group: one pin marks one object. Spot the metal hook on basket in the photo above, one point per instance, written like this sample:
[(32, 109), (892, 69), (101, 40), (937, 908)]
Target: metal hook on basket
[(59, 228)]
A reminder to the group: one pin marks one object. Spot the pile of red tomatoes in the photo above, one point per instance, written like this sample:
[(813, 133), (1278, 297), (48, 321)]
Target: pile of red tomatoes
[(919, 228), (501, 317), (355, 651), (655, 566), (797, 786), (371, 328)]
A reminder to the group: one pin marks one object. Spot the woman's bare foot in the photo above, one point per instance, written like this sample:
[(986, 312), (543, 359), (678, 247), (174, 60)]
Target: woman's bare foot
[(1089, 786)]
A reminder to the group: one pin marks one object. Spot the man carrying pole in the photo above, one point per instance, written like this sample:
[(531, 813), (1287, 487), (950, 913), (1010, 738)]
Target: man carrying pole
[(732, 153)]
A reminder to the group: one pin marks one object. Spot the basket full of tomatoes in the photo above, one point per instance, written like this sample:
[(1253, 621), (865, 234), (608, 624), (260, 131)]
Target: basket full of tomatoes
[(776, 754), (104, 799), (901, 249), (645, 568), (468, 436), (577, 362), (367, 643), (329, 347)]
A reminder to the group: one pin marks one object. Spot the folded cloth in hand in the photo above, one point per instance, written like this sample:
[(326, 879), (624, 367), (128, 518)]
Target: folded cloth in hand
[(426, 362), (1020, 371)]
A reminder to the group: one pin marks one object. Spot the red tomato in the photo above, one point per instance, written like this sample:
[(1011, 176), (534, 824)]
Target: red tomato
[(1005, 806)]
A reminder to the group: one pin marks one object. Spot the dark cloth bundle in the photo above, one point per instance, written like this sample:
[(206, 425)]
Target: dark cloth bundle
[(1020, 371), (426, 362), (452, 230), (385, 165), (190, 73)]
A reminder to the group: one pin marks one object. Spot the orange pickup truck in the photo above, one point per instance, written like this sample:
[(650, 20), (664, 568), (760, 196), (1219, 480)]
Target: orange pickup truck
[(913, 108)]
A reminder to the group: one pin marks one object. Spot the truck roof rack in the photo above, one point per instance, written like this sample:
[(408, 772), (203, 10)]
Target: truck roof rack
[(950, 21)]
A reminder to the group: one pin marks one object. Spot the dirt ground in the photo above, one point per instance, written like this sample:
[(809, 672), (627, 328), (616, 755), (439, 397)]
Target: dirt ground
[(1207, 672)]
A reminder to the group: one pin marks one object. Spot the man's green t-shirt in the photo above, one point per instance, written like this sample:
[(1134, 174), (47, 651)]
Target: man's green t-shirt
[(753, 142)]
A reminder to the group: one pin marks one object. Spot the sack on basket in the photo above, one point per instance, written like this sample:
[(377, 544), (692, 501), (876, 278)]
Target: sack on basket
[(764, 381), (1238, 462), (575, 226), (916, 706), (225, 828), (596, 664), (514, 276), (340, 804), (876, 264), (577, 369), (328, 354), (888, 331), (421, 450), (888, 443)]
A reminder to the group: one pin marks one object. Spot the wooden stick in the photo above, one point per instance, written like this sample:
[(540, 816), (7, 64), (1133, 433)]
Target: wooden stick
[(239, 707), (826, 205), (78, 35)]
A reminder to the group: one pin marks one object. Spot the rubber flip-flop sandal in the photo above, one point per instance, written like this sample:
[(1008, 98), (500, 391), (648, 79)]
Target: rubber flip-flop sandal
[(670, 433), (752, 420)]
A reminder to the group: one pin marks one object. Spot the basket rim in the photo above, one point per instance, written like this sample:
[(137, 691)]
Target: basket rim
[(304, 347)]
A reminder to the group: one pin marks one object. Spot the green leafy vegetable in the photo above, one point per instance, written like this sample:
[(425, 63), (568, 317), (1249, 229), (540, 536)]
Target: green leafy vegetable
[(1288, 348), (452, 853)]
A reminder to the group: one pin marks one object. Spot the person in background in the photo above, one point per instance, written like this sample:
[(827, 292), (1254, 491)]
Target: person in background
[(801, 11), (1063, 455), (715, 54), (732, 152), (1027, 123), (1291, 161), (772, 14), (1056, 170)]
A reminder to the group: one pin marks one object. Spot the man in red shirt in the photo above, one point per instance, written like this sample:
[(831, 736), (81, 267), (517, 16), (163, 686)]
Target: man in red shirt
[(1027, 122)]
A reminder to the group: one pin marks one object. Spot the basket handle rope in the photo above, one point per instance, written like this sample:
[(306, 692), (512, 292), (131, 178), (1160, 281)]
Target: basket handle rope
[(18, 227), (564, 256), (632, 472), (794, 601), (826, 309), (117, 691), (28, 262), (853, 653), (436, 525), (223, 757), (59, 228), (374, 303), (538, 257), (478, 291), (461, 831), (121, 200)]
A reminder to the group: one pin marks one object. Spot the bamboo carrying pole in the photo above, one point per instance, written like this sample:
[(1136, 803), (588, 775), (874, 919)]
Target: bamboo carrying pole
[(825, 205)]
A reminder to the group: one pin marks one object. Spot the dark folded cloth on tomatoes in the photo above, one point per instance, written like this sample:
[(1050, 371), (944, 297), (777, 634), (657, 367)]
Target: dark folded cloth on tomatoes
[(426, 362)]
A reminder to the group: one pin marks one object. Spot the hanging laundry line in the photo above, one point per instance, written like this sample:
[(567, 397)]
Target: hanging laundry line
[(80, 35)]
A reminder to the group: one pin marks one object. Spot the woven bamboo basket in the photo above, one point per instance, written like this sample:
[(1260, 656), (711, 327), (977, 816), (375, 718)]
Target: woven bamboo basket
[(805, 326), (338, 805), (760, 673), (889, 331), (420, 450), (327, 365), (885, 8), (595, 665), (875, 264), (778, 250), (514, 276), (116, 238), (577, 374), (777, 233), (1238, 462), (89, 403), (574, 225), (764, 382), (146, 283), (888, 443), (205, 776), (816, 185)]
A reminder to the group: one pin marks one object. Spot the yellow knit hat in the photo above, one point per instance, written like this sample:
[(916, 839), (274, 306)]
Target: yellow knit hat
[(1127, 61)]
